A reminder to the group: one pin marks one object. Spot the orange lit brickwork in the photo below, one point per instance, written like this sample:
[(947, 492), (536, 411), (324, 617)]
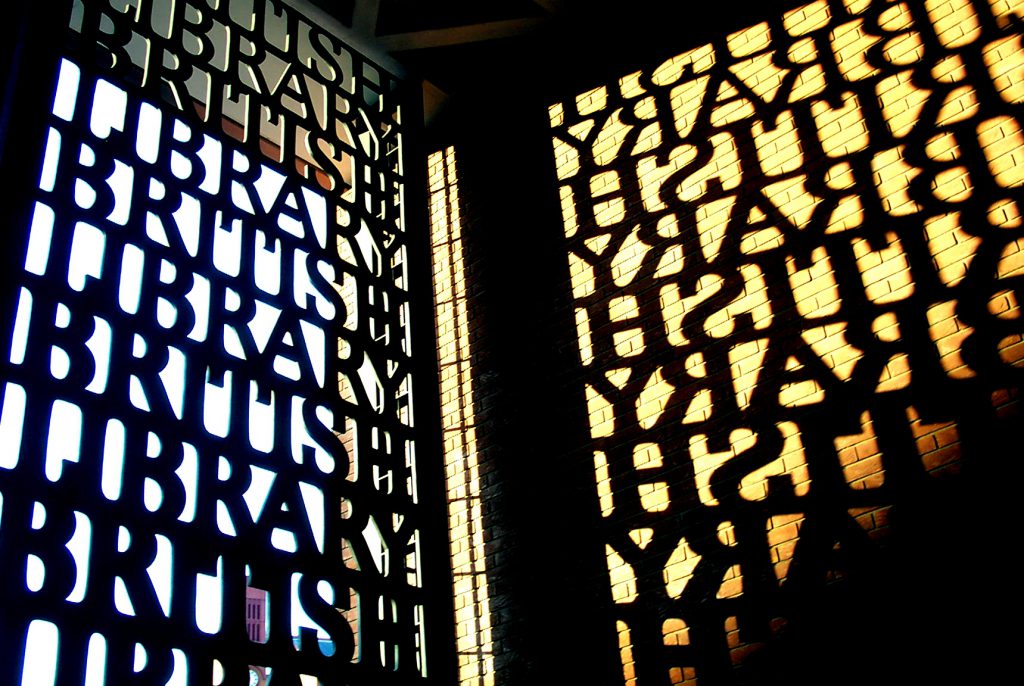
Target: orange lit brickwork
[(796, 260), (465, 517)]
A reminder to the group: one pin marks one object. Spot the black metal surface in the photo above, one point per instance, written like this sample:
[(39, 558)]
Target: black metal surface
[(228, 290)]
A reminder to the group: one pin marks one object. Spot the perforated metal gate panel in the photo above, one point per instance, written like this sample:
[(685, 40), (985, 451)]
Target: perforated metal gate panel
[(207, 464)]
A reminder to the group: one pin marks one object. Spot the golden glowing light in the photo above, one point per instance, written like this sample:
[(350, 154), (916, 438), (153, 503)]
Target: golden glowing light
[(465, 516), (771, 241)]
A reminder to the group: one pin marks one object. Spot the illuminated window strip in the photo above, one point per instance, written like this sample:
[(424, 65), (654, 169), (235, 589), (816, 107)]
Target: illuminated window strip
[(465, 520)]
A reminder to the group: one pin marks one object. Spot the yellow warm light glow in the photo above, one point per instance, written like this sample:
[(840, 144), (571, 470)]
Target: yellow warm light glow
[(642, 537), (682, 676), (951, 247), (1003, 145), (860, 456), (1004, 214), (654, 497), (763, 228), (803, 20), (622, 576), (679, 568), (1006, 65), (792, 463), (1011, 262), (604, 484), (938, 443), (829, 343), (886, 327), (949, 334), (745, 363), (705, 462), (465, 517), (807, 392), (626, 653), (875, 520), (814, 288), (727, 533), (753, 301), (895, 375), (792, 198), (675, 632), (674, 307), (647, 456), (652, 400), (1004, 305), (1011, 350), (783, 534), (885, 272), (602, 414), (732, 583)]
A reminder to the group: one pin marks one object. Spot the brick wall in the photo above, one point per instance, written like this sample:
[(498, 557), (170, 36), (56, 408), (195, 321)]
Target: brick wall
[(465, 461), (514, 409), (746, 407), (795, 258)]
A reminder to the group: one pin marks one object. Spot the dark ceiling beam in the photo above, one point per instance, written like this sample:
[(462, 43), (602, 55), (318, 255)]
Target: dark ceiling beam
[(364, 17), (458, 35), (551, 6)]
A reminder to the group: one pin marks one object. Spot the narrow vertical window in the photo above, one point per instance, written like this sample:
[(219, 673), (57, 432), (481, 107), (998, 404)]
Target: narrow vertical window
[(465, 516)]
